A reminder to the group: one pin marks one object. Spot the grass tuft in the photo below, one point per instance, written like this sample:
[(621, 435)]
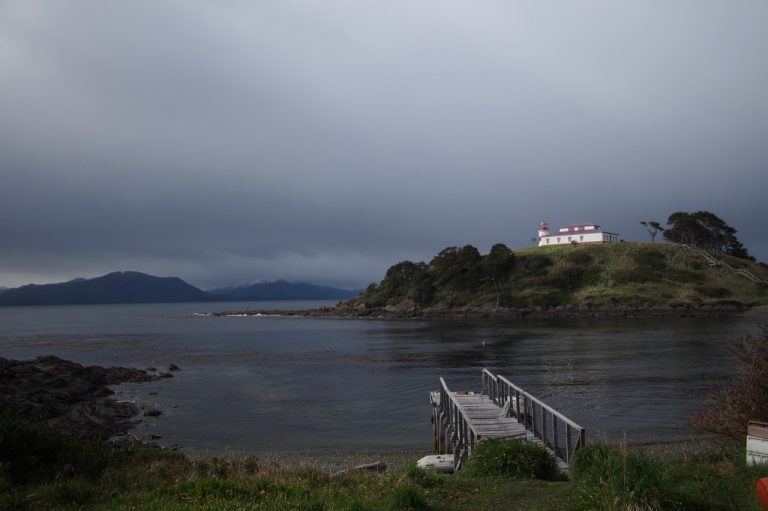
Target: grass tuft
[(513, 459), (408, 497), (615, 478)]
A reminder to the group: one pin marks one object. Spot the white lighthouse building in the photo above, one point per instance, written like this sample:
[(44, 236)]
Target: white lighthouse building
[(574, 234)]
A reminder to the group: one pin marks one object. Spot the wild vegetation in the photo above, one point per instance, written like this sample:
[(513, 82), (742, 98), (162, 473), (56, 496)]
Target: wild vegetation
[(42, 468), (746, 396), (620, 478), (607, 275)]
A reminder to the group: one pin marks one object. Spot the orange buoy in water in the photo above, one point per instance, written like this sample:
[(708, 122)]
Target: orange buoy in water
[(762, 492)]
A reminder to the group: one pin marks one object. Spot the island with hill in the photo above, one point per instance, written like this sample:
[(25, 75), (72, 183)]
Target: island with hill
[(610, 279)]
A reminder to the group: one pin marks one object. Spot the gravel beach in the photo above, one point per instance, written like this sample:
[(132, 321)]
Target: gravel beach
[(328, 462), (334, 461)]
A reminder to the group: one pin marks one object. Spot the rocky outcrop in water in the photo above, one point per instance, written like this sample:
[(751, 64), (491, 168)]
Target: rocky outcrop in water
[(65, 393)]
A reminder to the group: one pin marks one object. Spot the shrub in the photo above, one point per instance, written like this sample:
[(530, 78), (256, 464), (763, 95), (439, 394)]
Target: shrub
[(730, 408), (633, 275), (579, 257), (714, 291), (408, 496), (684, 276), (535, 264), (421, 477), (711, 483), (614, 478), (651, 259), (511, 458), (31, 452), (542, 297), (66, 492), (567, 278)]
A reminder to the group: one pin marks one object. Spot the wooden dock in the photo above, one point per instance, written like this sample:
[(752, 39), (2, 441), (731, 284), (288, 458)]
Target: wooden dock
[(501, 410)]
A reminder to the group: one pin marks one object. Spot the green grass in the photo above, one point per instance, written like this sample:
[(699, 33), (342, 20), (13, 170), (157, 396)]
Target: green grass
[(499, 476), (513, 459), (612, 478), (647, 274)]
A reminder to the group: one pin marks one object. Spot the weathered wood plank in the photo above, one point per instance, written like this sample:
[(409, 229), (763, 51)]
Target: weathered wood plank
[(462, 419)]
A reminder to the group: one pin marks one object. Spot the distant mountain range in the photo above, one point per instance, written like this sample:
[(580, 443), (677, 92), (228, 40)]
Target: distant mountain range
[(136, 287), (117, 287)]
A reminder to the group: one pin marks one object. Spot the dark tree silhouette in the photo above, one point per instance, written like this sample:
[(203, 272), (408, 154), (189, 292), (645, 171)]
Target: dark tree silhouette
[(653, 228), (705, 230)]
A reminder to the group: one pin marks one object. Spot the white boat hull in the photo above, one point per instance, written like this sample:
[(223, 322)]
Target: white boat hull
[(439, 462)]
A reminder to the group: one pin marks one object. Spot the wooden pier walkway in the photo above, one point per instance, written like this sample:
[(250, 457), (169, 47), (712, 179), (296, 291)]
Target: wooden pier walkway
[(501, 410)]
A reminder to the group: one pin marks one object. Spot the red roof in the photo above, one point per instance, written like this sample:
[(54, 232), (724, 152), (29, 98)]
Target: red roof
[(579, 228)]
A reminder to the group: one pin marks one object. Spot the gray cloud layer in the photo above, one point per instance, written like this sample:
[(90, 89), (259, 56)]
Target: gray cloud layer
[(232, 141)]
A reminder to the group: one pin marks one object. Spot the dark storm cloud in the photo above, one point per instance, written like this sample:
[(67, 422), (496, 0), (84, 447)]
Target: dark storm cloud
[(234, 141)]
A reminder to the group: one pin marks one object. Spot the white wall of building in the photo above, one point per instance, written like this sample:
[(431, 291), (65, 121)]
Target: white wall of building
[(575, 235)]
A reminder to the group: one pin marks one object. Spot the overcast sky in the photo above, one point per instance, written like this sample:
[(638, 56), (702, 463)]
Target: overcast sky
[(226, 142)]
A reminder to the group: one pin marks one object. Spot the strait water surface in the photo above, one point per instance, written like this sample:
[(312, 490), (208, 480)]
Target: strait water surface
[(286, 383)]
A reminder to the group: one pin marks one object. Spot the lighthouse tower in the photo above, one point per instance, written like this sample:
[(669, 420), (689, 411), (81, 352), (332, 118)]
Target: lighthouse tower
[(543, 229)]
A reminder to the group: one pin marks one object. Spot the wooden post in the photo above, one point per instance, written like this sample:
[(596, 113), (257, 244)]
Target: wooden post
[(554, 434)]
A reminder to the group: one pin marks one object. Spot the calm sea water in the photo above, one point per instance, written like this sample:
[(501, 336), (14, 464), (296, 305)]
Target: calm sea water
[(283, 383)]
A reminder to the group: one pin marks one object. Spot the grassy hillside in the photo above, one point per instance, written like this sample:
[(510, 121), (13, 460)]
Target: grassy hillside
[(618, 274)]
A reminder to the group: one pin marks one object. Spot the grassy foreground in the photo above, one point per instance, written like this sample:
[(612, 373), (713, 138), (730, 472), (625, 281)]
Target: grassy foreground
[(41, 468)]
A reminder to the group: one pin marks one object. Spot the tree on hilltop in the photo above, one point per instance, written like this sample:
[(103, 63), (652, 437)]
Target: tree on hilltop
[(497, 265), (468, 257), (446, 263), (705, 230), (653, 228), (499, 262)]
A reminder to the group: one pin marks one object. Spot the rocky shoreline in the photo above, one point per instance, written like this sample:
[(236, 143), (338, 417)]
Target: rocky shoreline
[(584, 310), (67, 394)]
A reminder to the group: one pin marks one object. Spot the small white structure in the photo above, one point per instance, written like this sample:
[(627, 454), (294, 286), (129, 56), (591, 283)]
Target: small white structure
[(575, 234), (757, 443), (439, 462)]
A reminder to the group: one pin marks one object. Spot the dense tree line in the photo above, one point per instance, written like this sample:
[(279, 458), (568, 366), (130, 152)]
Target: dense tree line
[(705, 230), (456, 273), (613, 274)]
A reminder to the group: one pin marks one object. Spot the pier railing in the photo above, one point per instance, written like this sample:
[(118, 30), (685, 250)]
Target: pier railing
[(722, 264), (459, 435), (556, 431)]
